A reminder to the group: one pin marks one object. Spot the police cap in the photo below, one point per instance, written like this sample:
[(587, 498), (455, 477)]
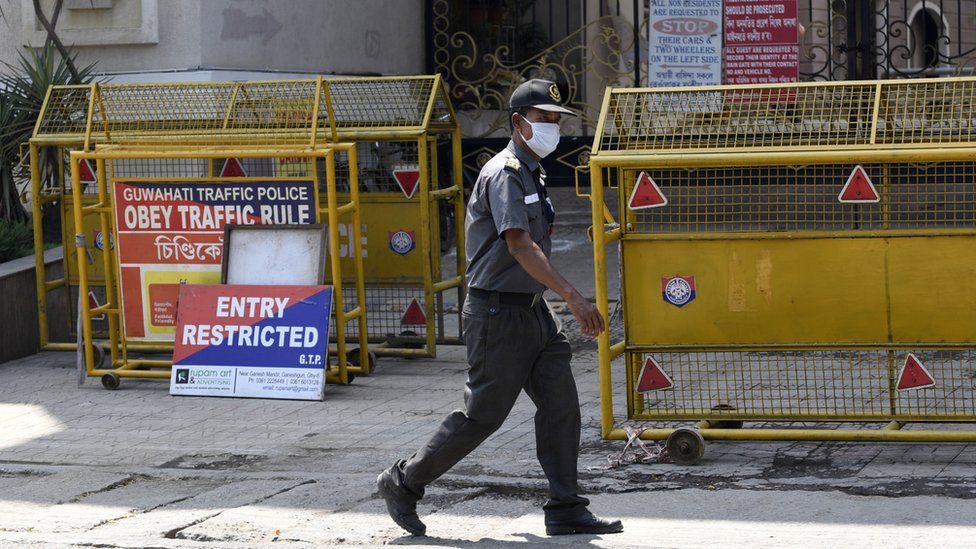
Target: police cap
[(540, 94)]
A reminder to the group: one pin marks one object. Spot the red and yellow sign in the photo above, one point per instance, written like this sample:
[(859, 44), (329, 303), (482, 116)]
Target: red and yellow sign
[(172, 233)]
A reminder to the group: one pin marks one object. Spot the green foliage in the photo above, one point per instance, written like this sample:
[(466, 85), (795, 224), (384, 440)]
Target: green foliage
[(10, 207), (22, 90), (16, 240)]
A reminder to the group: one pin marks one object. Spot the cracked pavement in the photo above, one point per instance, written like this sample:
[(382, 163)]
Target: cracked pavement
[(136, 467)]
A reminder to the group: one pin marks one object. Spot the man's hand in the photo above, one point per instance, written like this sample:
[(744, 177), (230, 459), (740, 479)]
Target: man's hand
[(530, 256), (589, 317)]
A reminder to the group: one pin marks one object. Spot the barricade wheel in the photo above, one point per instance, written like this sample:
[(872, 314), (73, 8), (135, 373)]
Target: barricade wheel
[(407, 340), (99, 356), (726, 423), (111, 381), (685, 446), (370, 366)]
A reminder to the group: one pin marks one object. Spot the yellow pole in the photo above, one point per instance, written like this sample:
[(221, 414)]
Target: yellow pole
[(794, 157), (435, 217), (67, 267), (37, 221), (425, 244), (459, 210), (600, 274), (846, 435), (340, 315), (82, 256), (123, 347), (107, 263), (437, 272), (357, 247), (315, 112)]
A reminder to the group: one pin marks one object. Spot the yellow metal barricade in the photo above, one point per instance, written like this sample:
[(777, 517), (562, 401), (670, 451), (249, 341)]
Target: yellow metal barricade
[(798, 253), (221, 135), (409, 145), (64, 125), (412, 203)]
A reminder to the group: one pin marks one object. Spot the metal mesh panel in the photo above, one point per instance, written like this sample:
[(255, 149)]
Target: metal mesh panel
[(271, 112), (642, 120), (158, 167), (376, 161), (805, 198), (929, 111), (820, 384), (380, 102), (385, 308), (66, 111), (65, 175), (919, 111), (441, 116)]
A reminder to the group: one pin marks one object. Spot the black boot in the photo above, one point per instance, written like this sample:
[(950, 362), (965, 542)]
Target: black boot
[(401, 504), (584, 524)]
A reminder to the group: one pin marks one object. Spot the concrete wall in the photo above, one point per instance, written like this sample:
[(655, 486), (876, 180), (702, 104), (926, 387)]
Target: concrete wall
[(18, 315), (306, 36)]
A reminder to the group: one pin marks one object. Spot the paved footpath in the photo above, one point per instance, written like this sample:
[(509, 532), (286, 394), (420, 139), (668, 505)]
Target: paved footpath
[(139, 468)]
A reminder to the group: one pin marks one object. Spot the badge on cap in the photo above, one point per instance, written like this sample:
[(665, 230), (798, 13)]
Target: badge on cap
[(554, 93)]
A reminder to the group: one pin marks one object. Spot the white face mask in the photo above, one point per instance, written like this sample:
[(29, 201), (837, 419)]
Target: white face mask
[(545, 138)]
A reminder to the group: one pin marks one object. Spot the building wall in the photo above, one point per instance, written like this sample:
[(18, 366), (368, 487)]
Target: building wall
[(10, 32), (305, 36), (333, 36)]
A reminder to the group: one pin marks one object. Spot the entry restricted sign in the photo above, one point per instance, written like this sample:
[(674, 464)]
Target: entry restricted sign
[(252, 341)]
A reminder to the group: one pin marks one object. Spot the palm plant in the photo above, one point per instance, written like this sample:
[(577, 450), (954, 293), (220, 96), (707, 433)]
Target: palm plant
[(23, 87), (10, 208)]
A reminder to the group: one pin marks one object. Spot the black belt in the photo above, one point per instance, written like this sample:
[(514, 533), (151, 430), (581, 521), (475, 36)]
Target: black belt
[(508, 298)]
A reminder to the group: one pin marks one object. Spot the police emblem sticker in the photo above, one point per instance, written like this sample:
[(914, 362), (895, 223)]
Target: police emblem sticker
[(402, 242), (678, 290), (100, 241)]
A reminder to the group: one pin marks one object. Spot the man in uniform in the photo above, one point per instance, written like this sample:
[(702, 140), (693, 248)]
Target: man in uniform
[(514, 341)]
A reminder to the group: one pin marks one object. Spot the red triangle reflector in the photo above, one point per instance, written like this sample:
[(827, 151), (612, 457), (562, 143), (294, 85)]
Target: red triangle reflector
[(407, 180), (859, 189), (914, 375), (414, 315), (652, 377), (92, 304), (233, 168), (85, 172), (646, 194)]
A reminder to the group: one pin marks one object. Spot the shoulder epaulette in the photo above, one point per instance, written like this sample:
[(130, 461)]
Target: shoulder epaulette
[(513, 164)]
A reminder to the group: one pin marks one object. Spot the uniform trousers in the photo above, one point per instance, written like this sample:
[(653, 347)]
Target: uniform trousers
[(510, 349)]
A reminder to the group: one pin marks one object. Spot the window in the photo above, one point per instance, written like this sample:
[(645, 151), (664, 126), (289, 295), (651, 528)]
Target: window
[(926, 29)]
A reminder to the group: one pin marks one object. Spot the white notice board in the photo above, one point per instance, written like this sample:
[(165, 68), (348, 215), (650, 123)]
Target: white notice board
[(685, 43)]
